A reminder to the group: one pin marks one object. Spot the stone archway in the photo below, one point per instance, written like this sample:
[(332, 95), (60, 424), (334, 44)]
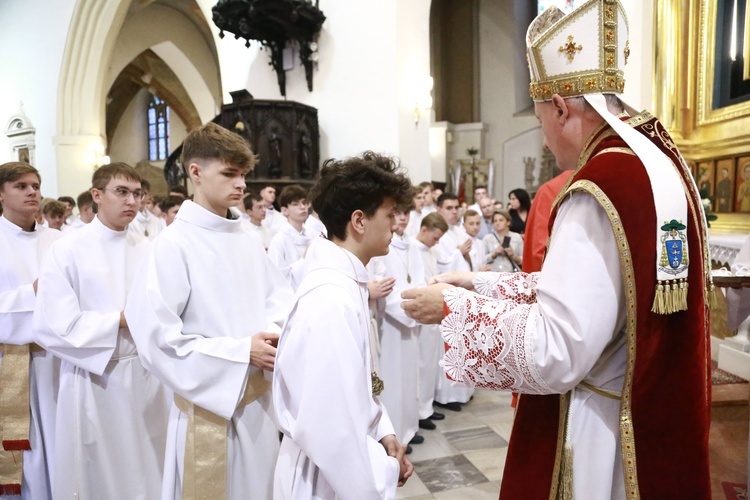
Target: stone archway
[(81, 97)]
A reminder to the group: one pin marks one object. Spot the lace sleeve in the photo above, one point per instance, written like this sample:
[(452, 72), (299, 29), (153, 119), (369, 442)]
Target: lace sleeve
[(520, 287), (490, 341)]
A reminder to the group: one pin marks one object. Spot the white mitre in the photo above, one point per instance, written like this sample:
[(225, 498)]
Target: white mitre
[(583, 52)]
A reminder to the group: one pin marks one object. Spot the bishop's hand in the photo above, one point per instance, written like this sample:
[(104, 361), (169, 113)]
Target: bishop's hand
[(463, 279), (425, 304)]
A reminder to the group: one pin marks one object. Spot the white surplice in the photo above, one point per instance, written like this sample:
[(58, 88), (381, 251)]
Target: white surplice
[(286, 251), (477, 254), (21, 252), (204, 289), (572, 332), (113, 412), (146, 224), (261, 231), (274, 220), (415, 223), (399, 350), (315, 228), (323, 392), (429, 341), (449, 258)]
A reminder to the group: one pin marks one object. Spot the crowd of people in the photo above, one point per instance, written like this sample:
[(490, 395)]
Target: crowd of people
[(142, 308)]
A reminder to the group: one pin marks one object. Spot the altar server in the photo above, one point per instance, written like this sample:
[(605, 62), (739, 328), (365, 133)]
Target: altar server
[(338, 441), (399, 350), (205, 311), (111, 413), (289, 244), (27, 391)]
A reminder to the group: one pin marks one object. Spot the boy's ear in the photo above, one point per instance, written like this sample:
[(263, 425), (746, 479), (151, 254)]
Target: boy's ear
[(357, 221), (194, 171), (284, 211)]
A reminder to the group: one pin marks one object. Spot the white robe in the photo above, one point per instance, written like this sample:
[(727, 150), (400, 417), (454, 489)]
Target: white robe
[(113, 412), (204, 289), (147, 224), (571, 333), (430, 343), (322, 388), (415, 223), (21, 252), (274, 220), (261, 231), (449, 258), (287, 251), (314, 227), (478, 254), (399, 348)]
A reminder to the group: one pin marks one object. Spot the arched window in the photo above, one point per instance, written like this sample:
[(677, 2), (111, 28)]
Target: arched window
[(158, 129)]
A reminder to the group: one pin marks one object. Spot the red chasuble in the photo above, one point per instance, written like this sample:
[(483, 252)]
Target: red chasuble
[(666, 399)]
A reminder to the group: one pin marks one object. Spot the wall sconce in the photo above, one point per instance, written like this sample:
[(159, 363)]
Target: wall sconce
[(423, 100), (95, 156)]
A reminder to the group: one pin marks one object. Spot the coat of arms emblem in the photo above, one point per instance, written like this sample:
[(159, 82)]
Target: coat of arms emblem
[(674, 254)]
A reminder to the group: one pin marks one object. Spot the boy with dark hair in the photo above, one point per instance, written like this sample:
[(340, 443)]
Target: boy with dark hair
[(169, 206), (70, 204), (289, 244), (205, 311), (179, 190), (255, 208), (107, 400), (28, 391), (86, 210), (428, 195), (327, 452)]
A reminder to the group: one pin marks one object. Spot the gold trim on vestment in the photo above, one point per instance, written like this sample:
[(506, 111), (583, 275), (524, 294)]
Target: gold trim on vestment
[(561, 426), (14, 397), (602, 392), (205, 469), (628, 275), (11, 472)]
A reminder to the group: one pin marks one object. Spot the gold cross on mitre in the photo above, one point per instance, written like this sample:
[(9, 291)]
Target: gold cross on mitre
[(570, 48)]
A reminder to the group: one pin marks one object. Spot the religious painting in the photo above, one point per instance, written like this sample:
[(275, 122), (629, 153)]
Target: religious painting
[(742, 203), (705, 178), (23, 155), (724, 186)]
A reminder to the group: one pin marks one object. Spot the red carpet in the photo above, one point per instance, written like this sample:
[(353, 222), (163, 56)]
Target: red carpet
[(735, 491), (720, 377)]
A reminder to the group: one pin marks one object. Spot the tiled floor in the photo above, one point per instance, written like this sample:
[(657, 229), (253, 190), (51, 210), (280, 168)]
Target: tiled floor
[(464, 457)]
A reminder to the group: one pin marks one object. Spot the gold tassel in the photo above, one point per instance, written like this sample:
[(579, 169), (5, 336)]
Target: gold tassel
[(658, 306), (711, 293), (683, 305)]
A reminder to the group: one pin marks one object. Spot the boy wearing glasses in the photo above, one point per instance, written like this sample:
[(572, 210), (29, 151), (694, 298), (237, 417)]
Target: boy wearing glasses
[(111, 413), (205, 311), (288, 246)]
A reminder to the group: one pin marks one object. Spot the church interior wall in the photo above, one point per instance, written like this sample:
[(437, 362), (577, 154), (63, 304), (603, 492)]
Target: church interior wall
[(30, 57)]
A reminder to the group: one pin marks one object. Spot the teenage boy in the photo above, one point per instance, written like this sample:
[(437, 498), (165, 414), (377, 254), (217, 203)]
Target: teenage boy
[(27, 391), (70, 204), (338, 440), (415, 216), (255, 208), (145, 223), (454, 247), (430, 342), (274, 220), (289, 244), (169, 206), (54, 213), (398, 334), (111, 413), (429, 198), (205, 310), (472, 226), (85, 211)]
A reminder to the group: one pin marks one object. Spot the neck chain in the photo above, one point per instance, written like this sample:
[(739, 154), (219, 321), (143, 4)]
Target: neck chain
[(377, 382)]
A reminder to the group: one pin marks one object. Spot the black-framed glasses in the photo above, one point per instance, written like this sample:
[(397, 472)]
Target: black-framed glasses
[(123, 193)]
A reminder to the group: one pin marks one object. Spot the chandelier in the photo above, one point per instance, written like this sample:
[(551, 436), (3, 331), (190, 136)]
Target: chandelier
[(276, 24)]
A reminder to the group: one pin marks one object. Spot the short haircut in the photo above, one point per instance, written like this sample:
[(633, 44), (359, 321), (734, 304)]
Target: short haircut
[(85, 199), (14, 170), (214, 142), (480, 187), (290, 194), (471, 213), (170, 201), (425, 184), (444, 197), (504, 213), (179, 188), (67, 199), (53, 208), (251, 198), (145, 185), (357, 183), (106, 173), (435, 221), (523, 198)]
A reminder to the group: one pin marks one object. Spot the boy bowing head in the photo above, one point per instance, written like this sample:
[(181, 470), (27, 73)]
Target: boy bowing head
[(338, 441)]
